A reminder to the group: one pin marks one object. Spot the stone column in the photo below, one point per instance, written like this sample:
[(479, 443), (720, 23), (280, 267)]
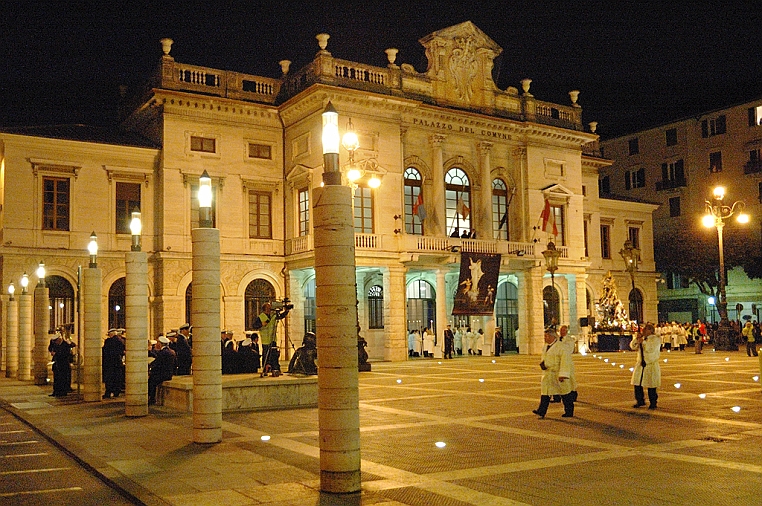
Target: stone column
[(338, 377), (12, 336), (395, 314), (435, 204), (136, 325), (25, 336), (531, 322), (580, 286), (41, 337), (205, 318), (92, 368), (484, 211), (441, 307), (3, 337)]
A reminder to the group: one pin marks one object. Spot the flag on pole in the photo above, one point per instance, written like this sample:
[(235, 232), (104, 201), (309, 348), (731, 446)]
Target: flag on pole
[(548, 219), (418, 208), (462, 208)]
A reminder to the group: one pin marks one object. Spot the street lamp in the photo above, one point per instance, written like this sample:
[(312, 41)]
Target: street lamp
[(136, 228), (92, 248), (551, 264), (40, 274), (631, 257), (24, 283), (715, 216), (205, 201)]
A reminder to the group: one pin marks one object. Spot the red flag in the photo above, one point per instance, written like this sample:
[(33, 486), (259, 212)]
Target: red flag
[(462, 209), (418, 208), (548, 218)]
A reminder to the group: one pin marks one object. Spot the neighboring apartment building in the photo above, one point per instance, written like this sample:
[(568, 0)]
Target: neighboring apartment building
[(677, 165), (445, 140)]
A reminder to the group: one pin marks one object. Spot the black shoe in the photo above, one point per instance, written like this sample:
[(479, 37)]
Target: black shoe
[(652, 406), (537, 412), (638, 405), (52, 395), (567, 415)]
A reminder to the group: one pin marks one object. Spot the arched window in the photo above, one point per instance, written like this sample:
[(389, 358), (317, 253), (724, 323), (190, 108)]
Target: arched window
[(636, 305), (421, 305), (414, 206), (375, 307), (257, 293), (457, 202), (310, 308), (507, 314), (500, 210), (61, 301), (551, 305), (116, 298)]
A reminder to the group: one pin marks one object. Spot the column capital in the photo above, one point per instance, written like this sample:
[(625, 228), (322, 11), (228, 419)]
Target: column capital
[(436, 140), (484, 147)]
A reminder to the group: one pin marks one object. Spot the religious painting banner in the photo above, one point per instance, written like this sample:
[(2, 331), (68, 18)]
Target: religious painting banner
[(477, 284)]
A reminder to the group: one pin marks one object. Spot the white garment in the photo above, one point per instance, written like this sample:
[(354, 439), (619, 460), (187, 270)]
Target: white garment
[(428, 342), (650, 375)]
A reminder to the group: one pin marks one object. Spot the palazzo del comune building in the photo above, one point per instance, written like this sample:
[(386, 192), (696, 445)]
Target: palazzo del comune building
[(446, 144)]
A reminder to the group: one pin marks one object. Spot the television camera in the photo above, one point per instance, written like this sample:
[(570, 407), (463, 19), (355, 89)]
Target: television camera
[(282, 307)]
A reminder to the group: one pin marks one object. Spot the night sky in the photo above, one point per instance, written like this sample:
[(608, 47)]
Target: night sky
[(636, 64)]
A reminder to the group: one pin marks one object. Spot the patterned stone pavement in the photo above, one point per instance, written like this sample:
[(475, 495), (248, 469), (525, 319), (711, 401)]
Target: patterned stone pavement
[(701, 446)]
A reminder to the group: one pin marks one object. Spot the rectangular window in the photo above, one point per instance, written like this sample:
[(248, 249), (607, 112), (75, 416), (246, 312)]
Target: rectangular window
[(203, 144), (127, 200), (194, 206), (634, 235), (711, 127), (672, 175), (715, 162), (604, 185), (755, 115), (260, 210), (263, 151), (584, 231), (363, 204), (635, 179), (304, 212), (633, 146), (754, 164), (674, 207), (671, 136), (605, 241), (558, 214), (55, 203)]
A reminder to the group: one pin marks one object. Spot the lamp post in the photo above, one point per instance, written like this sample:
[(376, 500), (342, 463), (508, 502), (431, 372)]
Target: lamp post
[(336, 309), (631, 257), (715, 216), (12, 335), (551, 255), (41, 327), (136, 324), (25, 330), (205, 318), (93, 362)]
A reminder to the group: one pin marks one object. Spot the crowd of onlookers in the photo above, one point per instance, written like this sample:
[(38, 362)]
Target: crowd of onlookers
[(676, 336)]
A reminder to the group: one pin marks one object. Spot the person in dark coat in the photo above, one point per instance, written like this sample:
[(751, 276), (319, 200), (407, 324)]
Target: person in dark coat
[(248, 357), (60, 349), (113, 367), (449, 342), (183, 350), (229, 353), (162, 369), (303, 361)]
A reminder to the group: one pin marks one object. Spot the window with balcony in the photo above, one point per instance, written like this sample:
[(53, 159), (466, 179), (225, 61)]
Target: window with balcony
[(672, 175), (127, 200), (457, 202), (715, 162), (363, 210), (635, 179), (633, 147), (671, 136), (500, 203), (203, 144), (674, 207), (712, 127), (606, 241), (559, 215), (754, 164), (260, 215), (415, 208), (304, 212), (55, 203), (375, 307)]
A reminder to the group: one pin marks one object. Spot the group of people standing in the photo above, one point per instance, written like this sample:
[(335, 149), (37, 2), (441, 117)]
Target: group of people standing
[(464, 342)]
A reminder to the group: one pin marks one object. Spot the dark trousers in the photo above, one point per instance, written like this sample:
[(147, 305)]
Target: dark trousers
[(567, 399), (641, 399), (699, 345), (751, 348)]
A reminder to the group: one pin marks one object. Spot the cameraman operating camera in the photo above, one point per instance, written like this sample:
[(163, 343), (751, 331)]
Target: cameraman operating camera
[(268, 332)]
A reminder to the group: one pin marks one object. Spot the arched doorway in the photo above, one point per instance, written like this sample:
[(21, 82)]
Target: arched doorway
[(507, 314), (551, 305), (61, 295), (421, 305), (116, 299), (257, 293)]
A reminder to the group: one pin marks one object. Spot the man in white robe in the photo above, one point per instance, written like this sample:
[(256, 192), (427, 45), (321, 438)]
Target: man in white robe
[(647, 373)]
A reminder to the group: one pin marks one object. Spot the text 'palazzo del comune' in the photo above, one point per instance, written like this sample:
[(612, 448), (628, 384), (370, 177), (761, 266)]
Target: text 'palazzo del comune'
[(474, 183)]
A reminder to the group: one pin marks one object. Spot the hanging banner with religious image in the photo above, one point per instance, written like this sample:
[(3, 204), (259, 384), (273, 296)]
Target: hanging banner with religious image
[(477, 285)]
